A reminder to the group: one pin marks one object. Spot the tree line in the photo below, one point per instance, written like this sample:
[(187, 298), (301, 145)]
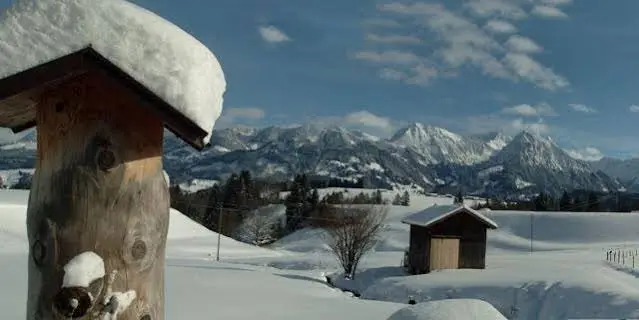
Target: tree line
[(570, 201), (239, 206)]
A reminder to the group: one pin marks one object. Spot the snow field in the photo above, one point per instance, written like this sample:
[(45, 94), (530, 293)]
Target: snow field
[(196, 285), (449, 309), (565, 276)]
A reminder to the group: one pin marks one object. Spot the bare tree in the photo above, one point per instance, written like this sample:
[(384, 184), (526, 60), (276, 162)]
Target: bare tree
[(260, 226), (354, 232)]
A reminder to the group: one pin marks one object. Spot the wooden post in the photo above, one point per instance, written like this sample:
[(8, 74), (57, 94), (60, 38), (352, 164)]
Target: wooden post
[(98, 187), (219, 234)]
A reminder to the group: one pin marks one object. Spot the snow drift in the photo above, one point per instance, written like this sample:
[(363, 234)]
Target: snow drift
[(452, 309)]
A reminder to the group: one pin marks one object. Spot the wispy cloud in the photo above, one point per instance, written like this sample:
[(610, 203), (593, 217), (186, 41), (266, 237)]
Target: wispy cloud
[(271, 34), (556, 3), (459, 43), (507, 9), (389, 57), (521, 44), (634, 108), (582, 108), (392, 39), (368, 119), (232, 116), (392, 74), (529, 69), (525, 110), (500, 26), (549, 12), (586, 154)]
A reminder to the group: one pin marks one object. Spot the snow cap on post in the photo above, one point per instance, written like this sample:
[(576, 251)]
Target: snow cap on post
[(44, 42)]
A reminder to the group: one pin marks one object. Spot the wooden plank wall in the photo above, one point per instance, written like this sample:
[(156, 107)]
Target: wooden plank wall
[(419, 249)]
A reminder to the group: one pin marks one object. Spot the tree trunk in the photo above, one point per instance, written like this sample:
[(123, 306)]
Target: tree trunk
[(98, 187)]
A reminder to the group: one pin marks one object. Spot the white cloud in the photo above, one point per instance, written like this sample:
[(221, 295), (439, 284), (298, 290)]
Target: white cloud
[(500, 26), (457, 56), (556, 3), (521, 44), (549, 12), (392, 39), (390, 57), (422, 75), (235, 115), (529, 69), (271, 34), (586, 154), (368, 119), (507, 9), (582, 108), (634, 108), (525, 110), (522, 110), (392, 74), (459, 44)]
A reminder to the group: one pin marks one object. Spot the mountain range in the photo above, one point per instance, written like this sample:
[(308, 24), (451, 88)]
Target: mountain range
[(422, 156)]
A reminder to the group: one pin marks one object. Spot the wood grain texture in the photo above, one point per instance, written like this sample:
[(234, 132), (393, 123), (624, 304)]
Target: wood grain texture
[(98, 187)]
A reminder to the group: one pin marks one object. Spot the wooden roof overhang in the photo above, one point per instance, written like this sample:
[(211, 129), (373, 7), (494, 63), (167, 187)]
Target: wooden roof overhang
[(19, 93)]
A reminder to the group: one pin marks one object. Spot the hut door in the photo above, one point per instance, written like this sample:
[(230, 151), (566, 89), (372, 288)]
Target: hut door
[(444, 253)]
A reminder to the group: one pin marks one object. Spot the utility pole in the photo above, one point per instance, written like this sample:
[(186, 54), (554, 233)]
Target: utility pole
[(219, 233), (531, 232)]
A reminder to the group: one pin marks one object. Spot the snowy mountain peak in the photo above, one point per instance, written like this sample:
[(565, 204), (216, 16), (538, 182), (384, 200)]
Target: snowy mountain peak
[(418, 134)]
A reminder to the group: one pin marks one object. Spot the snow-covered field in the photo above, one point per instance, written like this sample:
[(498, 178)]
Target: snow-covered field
[(566, 275)]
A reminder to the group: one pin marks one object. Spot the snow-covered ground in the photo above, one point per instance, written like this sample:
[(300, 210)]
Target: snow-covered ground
[(198, 287), (565, 275)]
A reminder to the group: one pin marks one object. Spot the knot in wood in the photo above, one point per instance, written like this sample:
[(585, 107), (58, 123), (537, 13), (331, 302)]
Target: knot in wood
[(138, 250), (59, 107), (73, 302), (105, 159), (38, 252)]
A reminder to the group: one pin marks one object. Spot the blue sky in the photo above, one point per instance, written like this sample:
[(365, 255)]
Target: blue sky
[(563, 68)]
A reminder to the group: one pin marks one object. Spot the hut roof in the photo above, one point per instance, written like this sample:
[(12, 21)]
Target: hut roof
[(438, 213)]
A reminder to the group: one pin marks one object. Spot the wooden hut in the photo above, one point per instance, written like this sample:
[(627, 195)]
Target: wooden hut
[(447, 237)]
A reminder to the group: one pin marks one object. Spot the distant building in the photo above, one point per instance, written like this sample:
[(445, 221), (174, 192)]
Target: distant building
[(447, 237)]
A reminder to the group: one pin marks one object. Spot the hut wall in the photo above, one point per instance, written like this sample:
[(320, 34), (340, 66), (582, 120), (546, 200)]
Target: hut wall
[(472, 234), (419, 249)]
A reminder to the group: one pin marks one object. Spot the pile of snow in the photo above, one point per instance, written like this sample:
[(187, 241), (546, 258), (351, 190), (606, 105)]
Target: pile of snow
[(158, 54), (452, 309)]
